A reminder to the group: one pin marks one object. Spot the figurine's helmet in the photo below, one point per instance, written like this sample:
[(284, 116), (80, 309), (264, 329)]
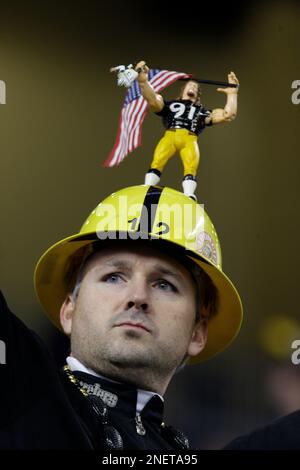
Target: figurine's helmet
[(163, 217)]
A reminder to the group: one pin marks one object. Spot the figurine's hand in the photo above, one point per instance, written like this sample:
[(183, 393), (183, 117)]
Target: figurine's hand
[(126, 75), (230, 90), (118, 68), (142, 70)]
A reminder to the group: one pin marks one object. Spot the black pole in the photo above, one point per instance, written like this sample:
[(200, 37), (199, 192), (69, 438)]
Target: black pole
[(210, 82), (201, 80)]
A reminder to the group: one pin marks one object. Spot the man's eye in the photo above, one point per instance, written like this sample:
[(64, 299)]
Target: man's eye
[(112, 278), (166, 286)]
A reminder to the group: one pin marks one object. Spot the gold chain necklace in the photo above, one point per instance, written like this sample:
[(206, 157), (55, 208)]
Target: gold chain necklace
[(139, 425), (176, 437), (74, 380), (110, 438)]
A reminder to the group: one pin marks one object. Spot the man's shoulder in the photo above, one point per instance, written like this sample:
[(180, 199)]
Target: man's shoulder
[(3, 304), (21, 342), (280, 434), (10, 323)]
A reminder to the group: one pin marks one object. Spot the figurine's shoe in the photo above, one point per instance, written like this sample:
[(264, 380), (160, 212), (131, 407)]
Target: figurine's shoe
[(189, 185), (152, 178)]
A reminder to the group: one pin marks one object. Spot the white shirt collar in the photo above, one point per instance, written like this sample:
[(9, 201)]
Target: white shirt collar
[(143, 396)]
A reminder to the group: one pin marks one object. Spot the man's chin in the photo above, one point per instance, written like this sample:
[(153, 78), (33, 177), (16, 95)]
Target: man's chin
[(130, 354), (131, 359)]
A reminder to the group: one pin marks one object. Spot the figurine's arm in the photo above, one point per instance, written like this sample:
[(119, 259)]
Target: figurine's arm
[(155, 101), (229, 113)]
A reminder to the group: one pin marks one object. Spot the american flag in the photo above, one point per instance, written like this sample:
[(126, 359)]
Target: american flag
[(133, 114)]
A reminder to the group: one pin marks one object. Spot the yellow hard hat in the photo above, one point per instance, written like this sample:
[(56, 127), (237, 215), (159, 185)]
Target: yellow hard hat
[(153, 213)]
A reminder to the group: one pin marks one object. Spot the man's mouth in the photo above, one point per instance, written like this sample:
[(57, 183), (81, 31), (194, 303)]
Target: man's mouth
[(133, 325)]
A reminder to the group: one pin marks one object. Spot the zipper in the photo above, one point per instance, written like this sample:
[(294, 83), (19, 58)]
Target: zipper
[(139, 425)]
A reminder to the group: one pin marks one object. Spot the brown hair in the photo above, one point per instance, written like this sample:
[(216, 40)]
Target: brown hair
[(207, 298)]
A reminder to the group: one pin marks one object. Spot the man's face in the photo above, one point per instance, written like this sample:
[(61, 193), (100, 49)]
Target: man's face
[(190, 91), (135, 311)]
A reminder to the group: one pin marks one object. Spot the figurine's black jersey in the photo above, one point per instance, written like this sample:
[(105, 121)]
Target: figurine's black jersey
[(184, 114)]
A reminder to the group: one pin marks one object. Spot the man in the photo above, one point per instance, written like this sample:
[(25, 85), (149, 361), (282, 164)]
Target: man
[(139, 297), (184, 118)]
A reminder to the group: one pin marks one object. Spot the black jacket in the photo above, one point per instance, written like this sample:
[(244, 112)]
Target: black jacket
[(41, 409), (281, 434)]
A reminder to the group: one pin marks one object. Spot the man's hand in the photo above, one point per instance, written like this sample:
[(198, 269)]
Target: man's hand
[(142, 70), (231, 79)]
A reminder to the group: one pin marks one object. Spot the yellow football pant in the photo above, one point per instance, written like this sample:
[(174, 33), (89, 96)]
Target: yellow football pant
[(185, 143)]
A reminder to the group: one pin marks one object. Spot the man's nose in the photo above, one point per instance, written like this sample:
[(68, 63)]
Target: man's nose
[(138, 296)]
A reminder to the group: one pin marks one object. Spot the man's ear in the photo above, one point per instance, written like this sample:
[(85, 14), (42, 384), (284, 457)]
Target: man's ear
[(199, 338), (66, 314)]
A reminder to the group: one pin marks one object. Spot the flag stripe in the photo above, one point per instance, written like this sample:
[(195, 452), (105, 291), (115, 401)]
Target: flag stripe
[(134, 122), (139, 126)]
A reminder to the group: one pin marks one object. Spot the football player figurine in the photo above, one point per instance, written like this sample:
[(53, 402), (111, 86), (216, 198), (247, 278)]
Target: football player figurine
[(184, 119)]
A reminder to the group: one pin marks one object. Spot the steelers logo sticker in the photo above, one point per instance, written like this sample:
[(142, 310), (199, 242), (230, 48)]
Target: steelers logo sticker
[(206, 247)]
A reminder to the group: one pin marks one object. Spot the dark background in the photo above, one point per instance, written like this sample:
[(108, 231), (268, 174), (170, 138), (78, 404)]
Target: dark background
[(60, 122)]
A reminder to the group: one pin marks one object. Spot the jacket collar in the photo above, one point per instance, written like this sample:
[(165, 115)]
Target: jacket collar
[(113, 392)]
